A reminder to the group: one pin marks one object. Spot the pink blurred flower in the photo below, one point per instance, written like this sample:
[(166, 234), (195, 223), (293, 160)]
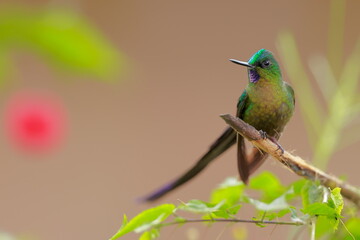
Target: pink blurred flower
[(35, 122)]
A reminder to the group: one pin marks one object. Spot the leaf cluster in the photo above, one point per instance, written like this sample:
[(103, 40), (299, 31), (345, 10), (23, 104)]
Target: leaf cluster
[(300, 203)]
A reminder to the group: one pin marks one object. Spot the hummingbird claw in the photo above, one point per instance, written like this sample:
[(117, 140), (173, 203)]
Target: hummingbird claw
[(280, 148), (264, 135), (274, 140)]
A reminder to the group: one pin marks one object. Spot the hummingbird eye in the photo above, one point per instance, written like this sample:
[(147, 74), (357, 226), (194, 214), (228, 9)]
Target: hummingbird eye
[(265, 64)]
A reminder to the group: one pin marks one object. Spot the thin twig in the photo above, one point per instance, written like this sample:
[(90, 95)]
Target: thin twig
[(234, 220), (294, 163)]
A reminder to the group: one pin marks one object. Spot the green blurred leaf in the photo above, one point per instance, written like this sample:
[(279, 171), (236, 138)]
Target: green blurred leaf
[(269, 184), (228, 192), (296, 218), (198, 206), (298, 185), (124, 222), (323, 226), (145, 220), (336, 200), (225, 212), (352, 226), (323, 209), (320, 209), (331, 208), (274, 215), (313, 193), (149, 235), (145, 236), (63, 38), (277, 204), (211, 210)]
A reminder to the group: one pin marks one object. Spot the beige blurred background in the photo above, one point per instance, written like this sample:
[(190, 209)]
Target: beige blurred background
[(128, 138)]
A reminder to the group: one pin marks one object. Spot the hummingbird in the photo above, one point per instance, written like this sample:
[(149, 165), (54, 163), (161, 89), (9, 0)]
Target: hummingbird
[(267, 103)]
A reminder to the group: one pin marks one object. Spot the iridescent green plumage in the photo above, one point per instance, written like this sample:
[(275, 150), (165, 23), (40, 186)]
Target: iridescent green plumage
[(267, 103)]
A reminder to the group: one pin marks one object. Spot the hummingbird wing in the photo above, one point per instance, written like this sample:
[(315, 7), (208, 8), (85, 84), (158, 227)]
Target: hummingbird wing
[(291, 91), (224, 142), (257, 157), (243, 166)]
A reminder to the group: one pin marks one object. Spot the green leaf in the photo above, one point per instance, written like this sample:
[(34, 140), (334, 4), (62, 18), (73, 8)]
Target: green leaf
[(228, 192), (323, 226), (294, 189), (124, 222), (296, 218), (324, 210), (313, 193), (225, 212), (269, 184), (149, 235), (274, 215), (320, 209), (63, 38), (198, 206), (210, 209), (352, 226), (145, 236), (146, 220), (297, 186), (179, 219), (336, 201), (279, 203), (331, 209)]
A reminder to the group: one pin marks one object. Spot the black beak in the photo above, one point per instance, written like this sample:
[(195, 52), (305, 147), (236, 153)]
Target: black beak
[(246, 64)]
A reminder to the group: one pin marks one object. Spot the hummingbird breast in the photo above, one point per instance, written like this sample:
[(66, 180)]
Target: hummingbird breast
[(269, 107)]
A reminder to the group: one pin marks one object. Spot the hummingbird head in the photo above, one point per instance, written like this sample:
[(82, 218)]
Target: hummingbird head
[(261, 65)]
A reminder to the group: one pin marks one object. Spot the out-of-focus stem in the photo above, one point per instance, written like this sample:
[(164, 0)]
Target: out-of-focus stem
[(304, 93), (336, 35)]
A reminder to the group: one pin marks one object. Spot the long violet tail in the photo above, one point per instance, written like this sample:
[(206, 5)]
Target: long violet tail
[(224, 142)]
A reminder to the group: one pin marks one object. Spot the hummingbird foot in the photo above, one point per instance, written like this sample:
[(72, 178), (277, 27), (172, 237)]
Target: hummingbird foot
[(274, 140), (264, 135)]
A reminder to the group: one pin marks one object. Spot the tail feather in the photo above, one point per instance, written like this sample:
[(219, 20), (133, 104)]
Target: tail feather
[(255, 159), (243, 165), (224, 142)]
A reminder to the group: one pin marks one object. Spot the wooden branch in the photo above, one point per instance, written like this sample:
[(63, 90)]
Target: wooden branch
[(296, 164)]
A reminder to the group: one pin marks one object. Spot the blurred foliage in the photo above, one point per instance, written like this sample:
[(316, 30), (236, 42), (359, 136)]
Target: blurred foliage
[(6, 236), (329, 127), (301, 203), (62, 37)]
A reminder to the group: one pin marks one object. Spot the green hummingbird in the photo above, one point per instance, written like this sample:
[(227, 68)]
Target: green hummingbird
[(267, 103)]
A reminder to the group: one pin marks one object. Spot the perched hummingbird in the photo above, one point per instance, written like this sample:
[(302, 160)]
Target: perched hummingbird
[(267, 104)]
